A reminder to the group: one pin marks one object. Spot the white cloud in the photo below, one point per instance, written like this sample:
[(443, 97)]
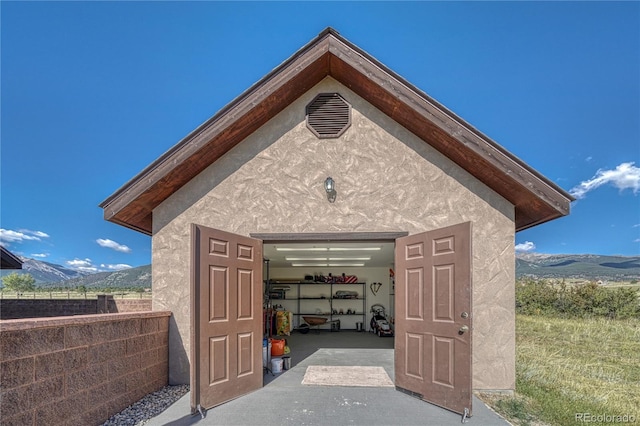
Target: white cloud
[(526, 246), (113, 245), (79, 263), (39, 234), (85, 265), (624, 176), (116, 267), (41, 255), (9, 236), (636, 225), (588, 159)]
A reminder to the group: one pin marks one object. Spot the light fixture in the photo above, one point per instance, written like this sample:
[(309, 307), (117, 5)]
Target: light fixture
[(330, 187), (301, 249), (327, 264), (328, 248), (325, 258)]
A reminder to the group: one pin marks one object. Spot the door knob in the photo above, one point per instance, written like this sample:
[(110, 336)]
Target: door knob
[(463, 329)]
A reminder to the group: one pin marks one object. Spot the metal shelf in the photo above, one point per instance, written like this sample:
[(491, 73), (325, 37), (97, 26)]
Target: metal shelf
[(332, 288)]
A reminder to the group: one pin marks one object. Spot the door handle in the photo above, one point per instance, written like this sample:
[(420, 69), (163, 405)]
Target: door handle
[(463, 329)]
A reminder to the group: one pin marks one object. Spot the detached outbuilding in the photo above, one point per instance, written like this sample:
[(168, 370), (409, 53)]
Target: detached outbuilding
[(406, 172)]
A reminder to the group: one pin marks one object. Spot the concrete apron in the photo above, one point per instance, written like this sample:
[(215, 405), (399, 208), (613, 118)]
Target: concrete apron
[(285, 401)]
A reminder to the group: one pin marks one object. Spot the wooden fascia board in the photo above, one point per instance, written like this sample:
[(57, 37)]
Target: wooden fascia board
[(265, 92), (132, 205), (459, 132)]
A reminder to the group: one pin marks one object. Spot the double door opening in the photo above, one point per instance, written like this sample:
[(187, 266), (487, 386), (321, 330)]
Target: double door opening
[(432, 311)]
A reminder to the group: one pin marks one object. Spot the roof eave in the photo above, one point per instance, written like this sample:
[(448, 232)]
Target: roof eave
[(9, 260), (331, 54)]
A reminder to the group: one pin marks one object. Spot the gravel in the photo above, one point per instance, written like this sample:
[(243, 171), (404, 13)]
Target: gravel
[(148, 407)]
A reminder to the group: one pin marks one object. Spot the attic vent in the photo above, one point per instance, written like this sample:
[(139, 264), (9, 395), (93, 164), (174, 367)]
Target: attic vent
[(328, 115)]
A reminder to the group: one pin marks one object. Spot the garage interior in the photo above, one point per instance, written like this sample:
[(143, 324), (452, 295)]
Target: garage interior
[(339, 281)]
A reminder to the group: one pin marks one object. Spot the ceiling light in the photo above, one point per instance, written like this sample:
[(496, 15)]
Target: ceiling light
[(307, 258), (349, 258), (309, 264), (346, 264), (355, 248), (301, 249)]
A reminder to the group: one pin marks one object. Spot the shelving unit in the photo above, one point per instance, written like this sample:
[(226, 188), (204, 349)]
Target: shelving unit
[(318, 299)]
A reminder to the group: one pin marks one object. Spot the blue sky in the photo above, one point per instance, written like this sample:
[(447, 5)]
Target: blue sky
[(92, 92)]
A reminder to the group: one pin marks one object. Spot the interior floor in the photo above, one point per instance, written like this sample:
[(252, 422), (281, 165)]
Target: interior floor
[(304, 345)]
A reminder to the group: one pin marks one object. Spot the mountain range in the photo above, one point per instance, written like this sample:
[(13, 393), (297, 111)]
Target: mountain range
[(51, 275), (586, 266), (536, 265), (45, 272)]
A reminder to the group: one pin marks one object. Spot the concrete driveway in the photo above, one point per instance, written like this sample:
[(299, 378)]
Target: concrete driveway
[(286, 401)]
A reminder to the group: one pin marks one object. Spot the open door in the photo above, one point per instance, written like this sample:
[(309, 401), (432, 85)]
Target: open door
[(226, 301), (433, 316)]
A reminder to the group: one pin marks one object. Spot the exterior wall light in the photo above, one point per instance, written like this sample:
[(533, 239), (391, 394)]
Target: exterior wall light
[(330, 187)]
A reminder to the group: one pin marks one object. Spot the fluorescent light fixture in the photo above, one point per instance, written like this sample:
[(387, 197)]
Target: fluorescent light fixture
[(307, 258), (350, 258), (301, 249), (326, 264), (355, 248), (311, 259), (309, 264), (328, 248)]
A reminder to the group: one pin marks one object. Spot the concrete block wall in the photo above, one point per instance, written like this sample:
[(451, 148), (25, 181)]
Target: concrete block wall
[(129, 305), (39, 308), (80, 370)]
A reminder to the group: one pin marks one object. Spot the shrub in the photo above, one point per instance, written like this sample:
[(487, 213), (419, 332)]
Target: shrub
[(583, 301)]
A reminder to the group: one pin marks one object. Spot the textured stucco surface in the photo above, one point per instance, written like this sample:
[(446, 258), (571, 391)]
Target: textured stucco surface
[(387, 180)]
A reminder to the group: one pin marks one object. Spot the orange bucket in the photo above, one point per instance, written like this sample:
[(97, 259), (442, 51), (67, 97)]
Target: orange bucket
[(277, 347)]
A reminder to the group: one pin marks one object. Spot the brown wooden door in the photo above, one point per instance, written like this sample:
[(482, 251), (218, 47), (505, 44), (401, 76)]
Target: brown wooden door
[(226, 316), (433, 305)]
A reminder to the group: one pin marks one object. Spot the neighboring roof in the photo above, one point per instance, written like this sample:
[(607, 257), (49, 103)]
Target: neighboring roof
[(9, 260), (536, 199)]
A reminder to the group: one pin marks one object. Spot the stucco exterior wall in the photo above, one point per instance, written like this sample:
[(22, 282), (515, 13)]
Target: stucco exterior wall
[(386, 179)]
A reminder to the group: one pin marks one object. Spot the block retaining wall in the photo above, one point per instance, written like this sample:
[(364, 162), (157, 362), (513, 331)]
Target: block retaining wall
[(80, 370), (40, 308)]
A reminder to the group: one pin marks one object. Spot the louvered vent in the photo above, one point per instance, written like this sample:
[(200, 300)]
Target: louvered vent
[(328, 115)]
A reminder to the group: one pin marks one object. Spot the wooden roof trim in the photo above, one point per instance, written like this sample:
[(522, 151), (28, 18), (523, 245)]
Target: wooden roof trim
[(331, 54), (452, 124)]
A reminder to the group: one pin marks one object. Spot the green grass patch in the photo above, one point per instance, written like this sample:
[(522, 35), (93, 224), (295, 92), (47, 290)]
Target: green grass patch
[(569, 366)]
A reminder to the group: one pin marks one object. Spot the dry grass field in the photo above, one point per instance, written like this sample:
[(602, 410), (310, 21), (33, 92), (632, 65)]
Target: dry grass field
[(569, 370)]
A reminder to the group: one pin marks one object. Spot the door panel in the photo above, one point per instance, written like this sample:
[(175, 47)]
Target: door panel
[(433, 302), (226, 353)]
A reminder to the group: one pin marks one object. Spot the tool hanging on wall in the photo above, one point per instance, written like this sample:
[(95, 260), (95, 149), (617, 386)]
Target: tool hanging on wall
[(375, 287)]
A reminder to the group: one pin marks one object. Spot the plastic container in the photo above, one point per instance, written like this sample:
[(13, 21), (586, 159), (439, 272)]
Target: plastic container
[(266, 353), (277, 347), (276, 365), (286, 362)]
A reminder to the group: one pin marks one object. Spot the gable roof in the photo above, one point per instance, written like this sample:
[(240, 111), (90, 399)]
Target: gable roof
[(536, 199), (9, 260)]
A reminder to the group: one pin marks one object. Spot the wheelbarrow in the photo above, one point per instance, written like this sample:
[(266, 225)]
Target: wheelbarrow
[(315, 322)]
